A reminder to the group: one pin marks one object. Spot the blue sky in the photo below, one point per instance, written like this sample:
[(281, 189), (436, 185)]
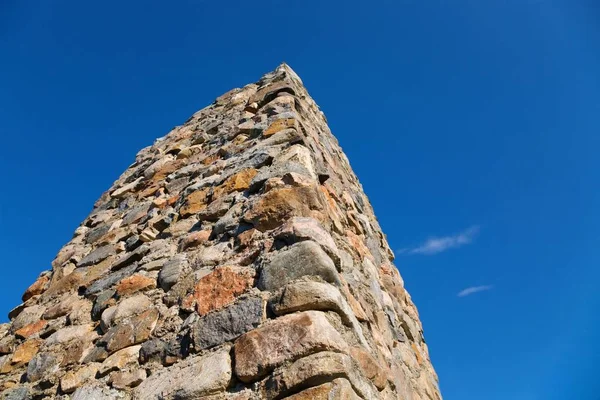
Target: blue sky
[(473, 126)]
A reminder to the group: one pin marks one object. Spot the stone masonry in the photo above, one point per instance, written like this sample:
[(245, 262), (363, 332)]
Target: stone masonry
[(236, 258)]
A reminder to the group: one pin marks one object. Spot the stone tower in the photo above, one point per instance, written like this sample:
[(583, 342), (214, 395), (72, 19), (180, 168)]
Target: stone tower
[(236, 258)]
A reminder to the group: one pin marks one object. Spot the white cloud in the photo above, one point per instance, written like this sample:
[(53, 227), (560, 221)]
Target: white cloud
[(436, 245), (474, 289)]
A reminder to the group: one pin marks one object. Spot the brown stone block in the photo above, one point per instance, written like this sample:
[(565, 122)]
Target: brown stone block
[(221, 287), (278, 205)]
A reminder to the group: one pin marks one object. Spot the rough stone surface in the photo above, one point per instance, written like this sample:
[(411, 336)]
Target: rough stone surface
[(237, 258), (286, 338), (302, 259), (197, 376), (338, 389), (221, 287), (227, 324), (317, 368)]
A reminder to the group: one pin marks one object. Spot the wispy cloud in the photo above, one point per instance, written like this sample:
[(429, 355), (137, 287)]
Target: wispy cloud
[(436, 245), (474, 289)]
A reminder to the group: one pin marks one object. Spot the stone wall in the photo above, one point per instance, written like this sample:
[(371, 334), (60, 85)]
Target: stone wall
[(236, 258)]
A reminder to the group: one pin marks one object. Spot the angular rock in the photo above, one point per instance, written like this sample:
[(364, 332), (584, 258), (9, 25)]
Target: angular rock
[(26, 351), (31, 329), (36, 288), (131, 331), (109, 280), (127, 307), (194, 239), (301, 259), (285, 339), (225, 325), (277, 171), (237, 182), (369, 367), (125, 379), (103, 301), (133, 284), (279, 125), (69, 333), (43, 365), (120, 359), (153, 350), (278, 205), (97, 255), (194, 203), (74, 379), (221, 287), (28, 316), (170, 272)]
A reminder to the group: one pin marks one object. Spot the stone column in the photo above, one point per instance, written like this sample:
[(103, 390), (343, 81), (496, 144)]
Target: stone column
[(237, 258)]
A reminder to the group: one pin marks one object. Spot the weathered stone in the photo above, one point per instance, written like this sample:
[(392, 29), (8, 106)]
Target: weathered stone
[(338, 389), (74, 379), (181, 227), (299, 229), (69, 333), (221, 287), (278, 205), (170, 272), (278, 171), (102, 302), (126, 308), (62, 308), (131, 331), (17, 393), (133, 284), (130, 257), (43, 365), (98, 392), (286, 338), (149, 234), (26, 351), (81, 314), (120, 359), (279, 125), (194, 203), (235, 183), (194, 239), (317, 368), (109, 280), (212, 255), (302, 296), (28, 316), (216, 209), (122, 191), (301, 259), (227, 324), (136, 214), (97, 255), (31, 329), (268, 92), (38, 287), (153, 350), (211, 373), (369, 367), (125, 379)]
